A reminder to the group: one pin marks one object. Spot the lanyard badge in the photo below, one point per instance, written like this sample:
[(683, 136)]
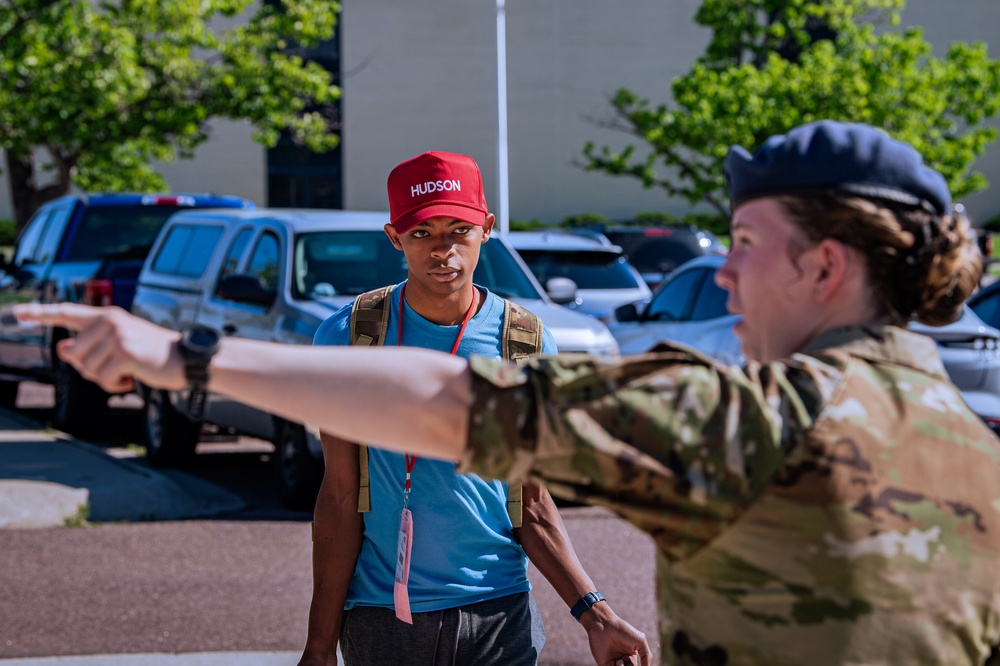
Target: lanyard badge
[(404, 544)]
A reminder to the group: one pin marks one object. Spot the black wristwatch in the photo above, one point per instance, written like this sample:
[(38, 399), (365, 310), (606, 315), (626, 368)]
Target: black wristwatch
[(584, 604), (198, 345)]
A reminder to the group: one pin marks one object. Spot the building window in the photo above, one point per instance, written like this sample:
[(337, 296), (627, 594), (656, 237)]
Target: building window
[(296, 176)]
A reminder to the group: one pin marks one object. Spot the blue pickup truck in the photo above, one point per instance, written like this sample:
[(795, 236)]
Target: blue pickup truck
[(83, 248)]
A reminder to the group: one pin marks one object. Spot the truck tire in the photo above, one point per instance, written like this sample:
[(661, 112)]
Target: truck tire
[(81, 407), (299, 472), (8, 394), (171, 437)]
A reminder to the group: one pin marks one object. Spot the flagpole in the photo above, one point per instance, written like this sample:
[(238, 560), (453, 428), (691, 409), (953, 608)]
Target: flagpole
[(502, 195)]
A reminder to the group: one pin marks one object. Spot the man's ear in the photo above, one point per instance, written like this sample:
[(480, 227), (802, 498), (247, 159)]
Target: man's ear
[(488, 227), (835, 263), (393, 235)]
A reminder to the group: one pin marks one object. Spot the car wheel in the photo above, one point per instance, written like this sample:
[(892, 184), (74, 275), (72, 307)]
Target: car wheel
[(8, 394), (299, 472), (81, 407), (171, 437)]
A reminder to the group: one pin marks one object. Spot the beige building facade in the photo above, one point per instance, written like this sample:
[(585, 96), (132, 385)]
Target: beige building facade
[(422, 75)]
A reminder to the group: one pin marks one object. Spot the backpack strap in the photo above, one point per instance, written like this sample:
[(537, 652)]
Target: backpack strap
[(522, 333), (522, 337), (369, 321)]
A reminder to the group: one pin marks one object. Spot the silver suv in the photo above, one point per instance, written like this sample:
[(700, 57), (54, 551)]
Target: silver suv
[(276, 275), (588, 274)]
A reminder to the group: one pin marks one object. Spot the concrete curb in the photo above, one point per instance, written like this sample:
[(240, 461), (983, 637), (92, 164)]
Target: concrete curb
[(49, 479)]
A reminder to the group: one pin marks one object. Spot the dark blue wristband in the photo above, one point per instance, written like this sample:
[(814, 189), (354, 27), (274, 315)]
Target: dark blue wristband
[(588, 600)]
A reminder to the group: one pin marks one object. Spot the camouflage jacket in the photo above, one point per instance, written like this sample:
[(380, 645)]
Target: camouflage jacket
[(839, 507)]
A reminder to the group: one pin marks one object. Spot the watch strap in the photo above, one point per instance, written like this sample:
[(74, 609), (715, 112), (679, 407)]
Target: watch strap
[(584, 604)]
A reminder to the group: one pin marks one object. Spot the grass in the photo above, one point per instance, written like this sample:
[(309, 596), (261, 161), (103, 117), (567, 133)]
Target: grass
[(79, 519)]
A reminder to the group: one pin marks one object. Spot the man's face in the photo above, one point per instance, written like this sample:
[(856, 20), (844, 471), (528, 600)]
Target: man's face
[(442, 253), (766, 284)]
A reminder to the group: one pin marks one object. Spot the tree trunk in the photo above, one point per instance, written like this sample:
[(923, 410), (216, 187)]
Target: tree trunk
[(25, 195)]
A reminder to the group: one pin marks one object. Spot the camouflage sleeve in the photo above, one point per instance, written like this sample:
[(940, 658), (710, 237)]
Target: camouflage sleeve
[(671, 441)]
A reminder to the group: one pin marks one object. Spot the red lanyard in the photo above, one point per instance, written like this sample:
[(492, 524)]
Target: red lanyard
[(412, 460)]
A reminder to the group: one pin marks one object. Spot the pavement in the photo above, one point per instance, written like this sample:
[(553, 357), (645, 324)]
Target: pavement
[(50, 479)]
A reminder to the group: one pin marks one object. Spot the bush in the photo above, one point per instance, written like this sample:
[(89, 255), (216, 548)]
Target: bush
[(7, 232)]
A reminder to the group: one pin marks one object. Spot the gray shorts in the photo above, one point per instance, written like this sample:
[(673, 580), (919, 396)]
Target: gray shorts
[(505, 632)]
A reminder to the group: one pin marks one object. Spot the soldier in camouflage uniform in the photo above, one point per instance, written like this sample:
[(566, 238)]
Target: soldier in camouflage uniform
[(834, 502)]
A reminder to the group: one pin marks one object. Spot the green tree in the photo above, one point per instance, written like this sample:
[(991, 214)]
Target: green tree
[(95, 91), (773, 64)]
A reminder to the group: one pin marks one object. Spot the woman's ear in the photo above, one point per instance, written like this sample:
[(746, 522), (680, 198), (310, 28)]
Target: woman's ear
[(835, 263)]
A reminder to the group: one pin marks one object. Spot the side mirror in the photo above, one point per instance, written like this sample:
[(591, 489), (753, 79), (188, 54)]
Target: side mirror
[(248, 289), (627, 312), (561, 290)]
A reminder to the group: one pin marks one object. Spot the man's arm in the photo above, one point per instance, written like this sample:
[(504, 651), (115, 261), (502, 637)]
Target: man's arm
[(547, 544), (337, 534)]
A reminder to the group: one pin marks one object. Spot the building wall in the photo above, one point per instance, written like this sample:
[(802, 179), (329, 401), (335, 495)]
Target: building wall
[(422, 75)]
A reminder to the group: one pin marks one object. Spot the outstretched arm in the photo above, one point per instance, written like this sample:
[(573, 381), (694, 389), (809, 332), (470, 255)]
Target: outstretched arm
[(544, 538), (339, 390)]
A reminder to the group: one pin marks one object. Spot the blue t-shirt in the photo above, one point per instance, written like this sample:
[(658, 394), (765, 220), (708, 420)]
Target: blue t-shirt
[(464, 550)]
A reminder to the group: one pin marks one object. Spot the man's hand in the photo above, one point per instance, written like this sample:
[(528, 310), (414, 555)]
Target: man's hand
[(112, 348), (613, 641)]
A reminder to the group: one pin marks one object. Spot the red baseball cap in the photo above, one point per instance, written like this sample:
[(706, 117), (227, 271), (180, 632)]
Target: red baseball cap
[(435, 184)]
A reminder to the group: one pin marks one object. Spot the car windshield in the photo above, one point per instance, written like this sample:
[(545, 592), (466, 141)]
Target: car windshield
[(588, 269), (117, 231), (332, 263)]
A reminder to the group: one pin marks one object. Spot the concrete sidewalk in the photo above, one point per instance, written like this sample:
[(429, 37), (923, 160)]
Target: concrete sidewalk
[(50, 479)]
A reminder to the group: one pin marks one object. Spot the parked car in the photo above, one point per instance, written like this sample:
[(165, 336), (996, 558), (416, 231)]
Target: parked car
[(986, 304), (691, 309), (84, 248), (602, 279), (687, 307), (276, 275), (657, 250)]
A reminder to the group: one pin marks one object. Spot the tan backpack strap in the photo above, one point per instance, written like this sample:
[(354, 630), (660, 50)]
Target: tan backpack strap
[(369, 321), (522, 332), (364, 483), (522, 337), (514, 504), (370, 317)]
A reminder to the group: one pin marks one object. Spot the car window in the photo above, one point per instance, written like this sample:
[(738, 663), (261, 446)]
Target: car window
[(331, 263), (502, 274), (27, 243), (987, 307), (53, 234), (120, 231), (711, 300), (588, 269), (265, 261), (234, 253), (187, 249), (671, 301)]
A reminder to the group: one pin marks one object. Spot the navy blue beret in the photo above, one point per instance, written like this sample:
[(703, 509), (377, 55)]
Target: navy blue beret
[(853, 158)]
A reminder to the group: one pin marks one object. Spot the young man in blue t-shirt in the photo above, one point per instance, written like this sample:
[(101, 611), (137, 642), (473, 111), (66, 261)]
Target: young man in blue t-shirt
[(454, 589)]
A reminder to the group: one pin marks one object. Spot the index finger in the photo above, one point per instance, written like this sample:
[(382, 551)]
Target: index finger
[(67, 315)]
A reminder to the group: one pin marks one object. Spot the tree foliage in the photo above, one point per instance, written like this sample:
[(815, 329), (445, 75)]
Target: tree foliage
[(95, 91), (773, 64)]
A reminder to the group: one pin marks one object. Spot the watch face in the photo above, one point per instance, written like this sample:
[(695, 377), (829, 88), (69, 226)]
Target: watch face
[(202, 338)]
